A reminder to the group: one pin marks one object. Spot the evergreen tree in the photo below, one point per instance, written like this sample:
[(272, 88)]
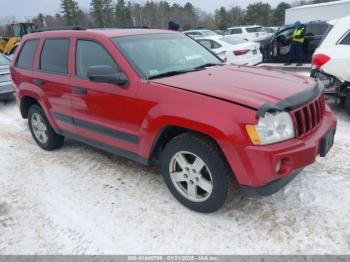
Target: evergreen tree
[(222, 18), (70, 11), (258, 14), (123, 14), (278, 16), (97, 13), (108, 13)]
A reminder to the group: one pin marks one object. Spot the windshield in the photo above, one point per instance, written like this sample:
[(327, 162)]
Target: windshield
[(255, 29), (4, 61), (233, 41), (210, 33), (157, 54)]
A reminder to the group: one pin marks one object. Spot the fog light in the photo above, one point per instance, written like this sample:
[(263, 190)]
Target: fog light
[(278, 167)]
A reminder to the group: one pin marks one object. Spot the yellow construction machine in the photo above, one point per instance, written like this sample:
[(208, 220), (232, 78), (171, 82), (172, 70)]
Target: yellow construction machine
[(16, 30)]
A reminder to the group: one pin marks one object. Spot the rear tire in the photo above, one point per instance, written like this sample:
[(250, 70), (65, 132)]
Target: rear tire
[(196, 173), (41, 130), (347, 104)]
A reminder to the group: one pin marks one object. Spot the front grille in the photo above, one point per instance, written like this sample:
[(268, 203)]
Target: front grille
[(307, 118)]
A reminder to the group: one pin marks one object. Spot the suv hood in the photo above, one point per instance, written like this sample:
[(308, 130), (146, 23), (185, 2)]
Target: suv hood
[(249, 86)]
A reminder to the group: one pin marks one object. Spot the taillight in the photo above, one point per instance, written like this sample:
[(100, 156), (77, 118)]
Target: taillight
[(240, 52), (319, 60)]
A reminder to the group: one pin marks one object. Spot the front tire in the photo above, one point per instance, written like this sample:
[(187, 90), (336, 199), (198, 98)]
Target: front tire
[(41, 130), (197, 173)]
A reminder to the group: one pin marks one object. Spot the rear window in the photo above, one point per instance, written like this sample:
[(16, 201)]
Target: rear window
[(209, 33), (54, 56), (26, 57), (345, 40), (254, 29)]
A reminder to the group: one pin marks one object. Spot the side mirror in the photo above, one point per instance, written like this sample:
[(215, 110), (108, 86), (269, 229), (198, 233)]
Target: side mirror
[(107, 74)]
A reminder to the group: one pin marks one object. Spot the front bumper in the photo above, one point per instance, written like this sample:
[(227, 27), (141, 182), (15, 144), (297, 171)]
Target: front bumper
[(255, 167), (270, 188)]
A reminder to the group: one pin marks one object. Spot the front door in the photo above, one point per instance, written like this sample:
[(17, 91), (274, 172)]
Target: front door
[(104, 114)]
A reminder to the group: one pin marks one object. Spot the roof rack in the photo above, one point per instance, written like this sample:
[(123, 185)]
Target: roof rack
[(77, 28)]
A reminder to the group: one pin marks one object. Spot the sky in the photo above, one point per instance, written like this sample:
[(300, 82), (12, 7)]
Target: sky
[(30, 8)]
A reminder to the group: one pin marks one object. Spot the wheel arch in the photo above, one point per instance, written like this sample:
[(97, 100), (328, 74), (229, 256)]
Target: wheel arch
[(169, 132), (25, 103)]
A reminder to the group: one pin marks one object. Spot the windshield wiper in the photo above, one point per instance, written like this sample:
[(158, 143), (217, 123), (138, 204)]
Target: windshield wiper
[(207, 65), (179, 72), (170, 73)]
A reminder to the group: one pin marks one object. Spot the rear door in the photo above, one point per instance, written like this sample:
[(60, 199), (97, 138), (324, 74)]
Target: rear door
[(53, 78)]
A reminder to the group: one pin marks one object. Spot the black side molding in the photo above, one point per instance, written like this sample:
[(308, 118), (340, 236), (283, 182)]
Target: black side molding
[(268, 189), (111, 149), (293, 101), (97, 128)]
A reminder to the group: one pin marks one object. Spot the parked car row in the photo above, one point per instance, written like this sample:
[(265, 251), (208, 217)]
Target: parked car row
[(274, 42), (233, 50)]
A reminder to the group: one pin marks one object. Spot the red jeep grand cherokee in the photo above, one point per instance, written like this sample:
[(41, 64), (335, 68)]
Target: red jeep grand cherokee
[(160, 97)]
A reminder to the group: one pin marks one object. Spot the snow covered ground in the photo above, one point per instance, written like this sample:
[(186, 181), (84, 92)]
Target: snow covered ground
[(79, 200)]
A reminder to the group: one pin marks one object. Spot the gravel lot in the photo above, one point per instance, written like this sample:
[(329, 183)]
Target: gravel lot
[(79, 200)]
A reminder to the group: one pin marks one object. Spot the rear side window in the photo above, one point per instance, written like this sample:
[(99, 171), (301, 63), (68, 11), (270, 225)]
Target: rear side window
[(215, 45), (236, 31), (26, 57), (205, 43), (90, 53), (346, 40), (54, 56), (316, 29)]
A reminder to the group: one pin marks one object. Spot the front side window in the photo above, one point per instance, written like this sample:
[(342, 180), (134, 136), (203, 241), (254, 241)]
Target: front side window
[(26, 57), (90, 53), (54, 56), (156, 54)]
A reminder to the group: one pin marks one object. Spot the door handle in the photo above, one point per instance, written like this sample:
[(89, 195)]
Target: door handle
[(79, 91), (39, 82)]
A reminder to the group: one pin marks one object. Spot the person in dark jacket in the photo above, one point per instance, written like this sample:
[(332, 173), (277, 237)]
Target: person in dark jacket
[(173, 26), (296, 48)]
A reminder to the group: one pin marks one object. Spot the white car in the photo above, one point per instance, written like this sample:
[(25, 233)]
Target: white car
[(253, 33), (199, 33), (331, 61), (233, 50)]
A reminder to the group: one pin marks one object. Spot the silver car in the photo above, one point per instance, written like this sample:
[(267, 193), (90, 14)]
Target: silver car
[(6, 87)]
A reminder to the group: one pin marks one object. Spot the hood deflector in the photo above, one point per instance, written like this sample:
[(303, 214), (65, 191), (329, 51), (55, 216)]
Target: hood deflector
[(292, 102)]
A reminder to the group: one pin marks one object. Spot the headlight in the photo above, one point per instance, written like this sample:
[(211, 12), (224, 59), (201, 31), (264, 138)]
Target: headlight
[(272, 128)]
